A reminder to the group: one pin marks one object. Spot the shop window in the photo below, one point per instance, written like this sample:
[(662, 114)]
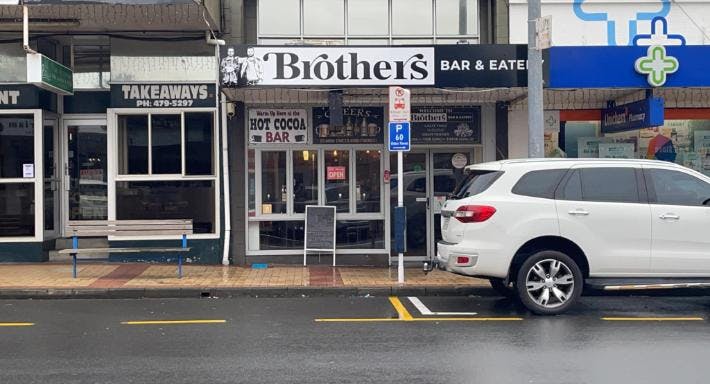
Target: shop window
[(251, 182), (199, 156), (337, 179), (133, 144), (17, 209), (456, 17), (368, 17), (360, 234), (280, 235), (305, 180), (165, 142), (165, 200), (274, 191), (16, 144), (368, 181)]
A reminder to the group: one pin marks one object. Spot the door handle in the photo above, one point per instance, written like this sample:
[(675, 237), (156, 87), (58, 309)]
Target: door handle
[(669, 216), (579, 212)]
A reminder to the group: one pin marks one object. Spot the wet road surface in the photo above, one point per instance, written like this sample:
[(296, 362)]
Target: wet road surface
[(605, 339)]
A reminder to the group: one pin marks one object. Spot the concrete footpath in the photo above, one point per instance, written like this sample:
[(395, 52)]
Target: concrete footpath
[(137, 280)]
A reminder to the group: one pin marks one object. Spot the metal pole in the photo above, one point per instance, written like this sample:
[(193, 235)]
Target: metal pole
[(535, 103), (400, 203)]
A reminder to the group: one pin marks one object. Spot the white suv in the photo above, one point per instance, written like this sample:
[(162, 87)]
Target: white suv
[(545, 226)]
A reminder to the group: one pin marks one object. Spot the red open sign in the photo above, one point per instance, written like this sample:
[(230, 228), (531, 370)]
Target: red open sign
[(335, 173)]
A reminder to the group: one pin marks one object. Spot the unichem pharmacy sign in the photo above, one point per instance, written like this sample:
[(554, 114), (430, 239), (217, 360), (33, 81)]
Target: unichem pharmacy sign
[(48, 74), (656, 65)]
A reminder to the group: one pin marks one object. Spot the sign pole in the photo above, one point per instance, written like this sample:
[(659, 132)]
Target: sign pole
[(536, 130), (400, 203)]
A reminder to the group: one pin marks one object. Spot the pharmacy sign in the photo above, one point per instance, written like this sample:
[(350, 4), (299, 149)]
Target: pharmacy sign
[(656, 65)]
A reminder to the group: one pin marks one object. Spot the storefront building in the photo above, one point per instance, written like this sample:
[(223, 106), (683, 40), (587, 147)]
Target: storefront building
[(311, 112), (100, 122), (651, 101)]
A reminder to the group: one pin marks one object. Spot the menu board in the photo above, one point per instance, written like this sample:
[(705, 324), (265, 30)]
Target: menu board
[(361, 125), (320, 230), (446, 125)]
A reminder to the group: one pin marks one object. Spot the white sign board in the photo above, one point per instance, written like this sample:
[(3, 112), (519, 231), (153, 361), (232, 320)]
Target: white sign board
[(400, 105), (616, 150), (277, 126), (28, 171), (543, 35)]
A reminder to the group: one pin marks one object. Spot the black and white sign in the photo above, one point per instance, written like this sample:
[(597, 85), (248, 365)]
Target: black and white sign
[(446, 125), (320, 230), (361, 125), (163, 95), (18, 96), (278, 126), (474, 65)]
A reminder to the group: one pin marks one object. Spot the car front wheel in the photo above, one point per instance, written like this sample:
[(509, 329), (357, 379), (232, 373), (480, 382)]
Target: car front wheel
[(549, 282)]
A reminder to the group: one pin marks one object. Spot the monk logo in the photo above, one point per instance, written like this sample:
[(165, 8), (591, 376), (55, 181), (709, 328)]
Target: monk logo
[(656, 65)]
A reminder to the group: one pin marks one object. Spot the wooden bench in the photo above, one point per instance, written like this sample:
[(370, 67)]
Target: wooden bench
[(118, 228)]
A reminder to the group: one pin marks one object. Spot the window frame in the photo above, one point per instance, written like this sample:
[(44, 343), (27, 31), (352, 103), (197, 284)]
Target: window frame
[(302, 38), (113, 161), (37, 181)]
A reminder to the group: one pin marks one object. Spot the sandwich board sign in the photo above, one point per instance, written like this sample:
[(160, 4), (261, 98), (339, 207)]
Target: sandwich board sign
[(320, 230)]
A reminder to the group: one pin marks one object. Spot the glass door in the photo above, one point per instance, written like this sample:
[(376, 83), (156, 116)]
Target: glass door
[(51, 181), (86, 170)]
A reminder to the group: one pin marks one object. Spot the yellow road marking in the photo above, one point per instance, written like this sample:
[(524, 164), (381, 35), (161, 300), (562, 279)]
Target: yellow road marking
[(653, 318), (376, 320), (401, 311), (172, 322), (16, 324)]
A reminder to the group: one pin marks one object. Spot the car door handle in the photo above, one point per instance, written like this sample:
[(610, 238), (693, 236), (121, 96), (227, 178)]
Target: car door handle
[(669, 216), (579, 212)]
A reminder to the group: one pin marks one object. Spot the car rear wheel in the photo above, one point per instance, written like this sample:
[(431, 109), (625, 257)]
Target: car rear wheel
[(501, 288), (549, 282)]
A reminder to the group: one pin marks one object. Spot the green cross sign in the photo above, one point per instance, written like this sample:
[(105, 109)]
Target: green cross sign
[(656, 65)]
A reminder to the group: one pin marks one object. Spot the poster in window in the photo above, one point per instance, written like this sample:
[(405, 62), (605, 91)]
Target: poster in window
[(616, 150), (277, 126), (361, 125), (446, 125)]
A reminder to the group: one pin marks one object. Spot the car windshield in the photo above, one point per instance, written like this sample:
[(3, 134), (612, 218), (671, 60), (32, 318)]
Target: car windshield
[(475, 183)]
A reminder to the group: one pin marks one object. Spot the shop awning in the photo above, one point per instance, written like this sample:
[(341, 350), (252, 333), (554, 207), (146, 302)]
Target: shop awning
[(112, 15)]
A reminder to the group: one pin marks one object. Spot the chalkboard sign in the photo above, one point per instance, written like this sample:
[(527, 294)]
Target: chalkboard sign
[(320, 230)]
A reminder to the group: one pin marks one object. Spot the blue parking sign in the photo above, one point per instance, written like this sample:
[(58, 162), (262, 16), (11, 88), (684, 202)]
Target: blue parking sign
[(399, 137)]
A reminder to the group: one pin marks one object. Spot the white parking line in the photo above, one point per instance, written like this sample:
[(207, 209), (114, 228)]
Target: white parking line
[(426, 312)]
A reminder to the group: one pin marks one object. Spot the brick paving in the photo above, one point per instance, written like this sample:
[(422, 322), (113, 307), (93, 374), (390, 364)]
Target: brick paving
[(152, 276)]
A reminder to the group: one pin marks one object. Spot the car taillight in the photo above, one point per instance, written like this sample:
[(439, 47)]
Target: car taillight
[(474, 213)]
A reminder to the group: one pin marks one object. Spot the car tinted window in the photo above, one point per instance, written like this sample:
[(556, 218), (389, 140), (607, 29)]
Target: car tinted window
[(418, 185), (573, 189), (475, 183), (539, 183), (617, 185), (676, 188)]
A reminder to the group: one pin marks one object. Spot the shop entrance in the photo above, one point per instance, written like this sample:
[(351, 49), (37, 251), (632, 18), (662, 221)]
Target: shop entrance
[(429, 176), (85, 170)]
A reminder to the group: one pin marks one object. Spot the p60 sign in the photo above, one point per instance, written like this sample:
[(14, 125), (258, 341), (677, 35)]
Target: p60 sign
[(399, 136)]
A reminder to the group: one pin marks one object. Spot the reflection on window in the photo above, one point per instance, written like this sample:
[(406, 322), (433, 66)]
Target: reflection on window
[(305, 180), (275, 235), (361, 234), (274, 194), (199, 152), (412, 17), (17, 209), (456, 17), (279, 17), (16, 144), (368, 17), (156, 200), (165, 144), (133, 145), (337, 176), (368, 181), (87, 167)]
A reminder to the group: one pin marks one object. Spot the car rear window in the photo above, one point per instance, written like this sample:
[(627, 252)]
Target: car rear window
[(475, 183), (540, 183)]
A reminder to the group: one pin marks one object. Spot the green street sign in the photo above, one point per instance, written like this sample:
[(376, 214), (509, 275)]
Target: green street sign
[(656, 65), (50, 75)]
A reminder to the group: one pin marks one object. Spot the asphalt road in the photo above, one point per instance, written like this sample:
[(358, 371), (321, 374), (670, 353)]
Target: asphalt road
[(608, 339)]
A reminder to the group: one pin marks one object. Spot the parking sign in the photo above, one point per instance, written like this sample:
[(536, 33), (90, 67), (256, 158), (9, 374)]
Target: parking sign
[(399, 136)]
